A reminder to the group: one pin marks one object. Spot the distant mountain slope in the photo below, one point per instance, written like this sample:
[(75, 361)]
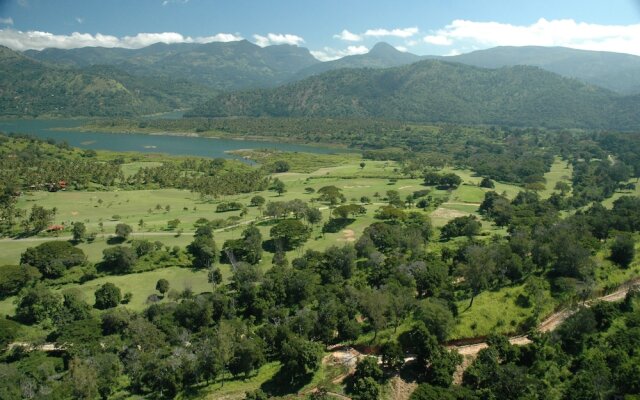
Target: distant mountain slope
[(382, 55), (224, 66), (28, 87), (435, 91), (615, 71)]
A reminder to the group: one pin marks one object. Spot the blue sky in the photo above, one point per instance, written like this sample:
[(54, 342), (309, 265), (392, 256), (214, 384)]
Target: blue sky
[(329, 28)]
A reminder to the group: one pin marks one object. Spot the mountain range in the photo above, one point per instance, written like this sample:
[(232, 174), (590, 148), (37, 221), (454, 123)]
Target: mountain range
[(32, 88), (508, 85), (217, 65), (437, 91), (244, 65)]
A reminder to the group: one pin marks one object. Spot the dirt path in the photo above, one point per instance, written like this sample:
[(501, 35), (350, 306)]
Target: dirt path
[(551, 322), (134, 234)]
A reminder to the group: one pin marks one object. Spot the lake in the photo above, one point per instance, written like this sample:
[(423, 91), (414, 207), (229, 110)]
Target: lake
[(60, 130)]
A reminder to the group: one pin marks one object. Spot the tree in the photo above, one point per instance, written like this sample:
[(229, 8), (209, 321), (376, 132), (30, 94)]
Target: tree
[(15, 277), (53, 258), (623, 250), (214, 277), (257, 201), (247, 357), (368, 368), (39, 219), (478, 270), (392, 355), (78, 230), (313, 215), (278, 186), (203, 248), (123, 231), (119, 259), (173, 224), (107, 296), (331, 194), (362, 165), (290, 233), (436, 316), (162, 286), (281, 166), (562, 187), (36, 304), (487, 183), (83, 379), (393, 198), (300, 357), (366, 389), (461, 226)]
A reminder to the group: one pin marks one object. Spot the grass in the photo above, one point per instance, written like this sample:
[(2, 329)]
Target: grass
[(299, 162), (141, 285), (561, 171), (234, 389), (494, 311)]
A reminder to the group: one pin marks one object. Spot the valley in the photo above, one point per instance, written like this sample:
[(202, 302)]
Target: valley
[(216, 217)]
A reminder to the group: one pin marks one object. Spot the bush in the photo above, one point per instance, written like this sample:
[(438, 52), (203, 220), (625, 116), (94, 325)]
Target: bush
[(52, 259), (229, 206), (107, 296)]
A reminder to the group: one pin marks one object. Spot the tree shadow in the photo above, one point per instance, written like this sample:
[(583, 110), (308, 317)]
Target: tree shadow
[(115, 240), (336, 225), (282, 383)]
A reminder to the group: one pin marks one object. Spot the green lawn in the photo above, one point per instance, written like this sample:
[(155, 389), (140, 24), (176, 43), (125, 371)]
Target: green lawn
[(493, 311)]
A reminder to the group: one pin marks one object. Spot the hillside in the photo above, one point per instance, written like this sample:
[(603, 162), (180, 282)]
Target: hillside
[(33, 88), (435, 91), (224, 66), (382, 55), (614, 71)]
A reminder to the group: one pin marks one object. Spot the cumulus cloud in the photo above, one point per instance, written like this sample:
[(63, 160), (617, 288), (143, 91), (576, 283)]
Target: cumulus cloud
[(36, 40), (6, 21), (330, 54), (277, 38), (561, 32), (348, 36), (401, 33)]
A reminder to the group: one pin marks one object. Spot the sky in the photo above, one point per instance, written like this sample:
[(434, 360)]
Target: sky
[(328, 28)]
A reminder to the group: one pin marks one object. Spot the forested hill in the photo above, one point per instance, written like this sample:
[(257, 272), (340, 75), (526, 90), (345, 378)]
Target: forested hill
[(436, 91), (31, 88), (616, 71), (218, 65)]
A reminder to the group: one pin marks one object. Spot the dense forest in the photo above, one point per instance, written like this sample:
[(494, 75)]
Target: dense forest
[(31, 88), (436, 91)]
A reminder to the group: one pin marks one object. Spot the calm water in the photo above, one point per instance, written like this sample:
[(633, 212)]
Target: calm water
[(178, 145)]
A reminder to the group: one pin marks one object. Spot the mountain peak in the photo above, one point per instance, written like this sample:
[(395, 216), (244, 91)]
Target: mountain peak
[(383, 48)]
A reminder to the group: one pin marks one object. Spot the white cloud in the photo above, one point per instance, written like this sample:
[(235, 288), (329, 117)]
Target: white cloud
[(23, 3), (329, 54), (401, 33), (440, 40), (6, 21), (277, 38), (80, 20), (37, 40), (562, 32), (220, 37), (402, 49), (348, 36), (167, 2)]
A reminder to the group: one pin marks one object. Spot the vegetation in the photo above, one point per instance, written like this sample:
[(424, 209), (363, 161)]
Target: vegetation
[(178, 277), (464, 94)]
